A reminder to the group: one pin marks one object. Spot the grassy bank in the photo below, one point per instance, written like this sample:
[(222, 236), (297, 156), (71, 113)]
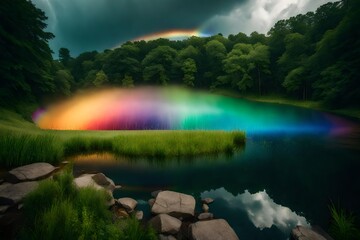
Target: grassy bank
[(58, 210), (278, 99), (22, 142)]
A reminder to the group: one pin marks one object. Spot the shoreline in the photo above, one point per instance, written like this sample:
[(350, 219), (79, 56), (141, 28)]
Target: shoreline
[(277, 99)]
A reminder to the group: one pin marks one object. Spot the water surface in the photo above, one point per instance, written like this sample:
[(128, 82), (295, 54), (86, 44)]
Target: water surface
[(296, 161)]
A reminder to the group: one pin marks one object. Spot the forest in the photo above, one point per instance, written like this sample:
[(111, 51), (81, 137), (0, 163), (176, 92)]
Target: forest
[(312, 56)]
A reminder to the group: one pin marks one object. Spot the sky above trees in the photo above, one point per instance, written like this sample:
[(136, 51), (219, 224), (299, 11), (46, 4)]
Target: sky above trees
[(86, 25)]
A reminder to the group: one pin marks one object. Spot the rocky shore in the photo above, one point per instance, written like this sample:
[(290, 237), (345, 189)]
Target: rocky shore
[(173, 213)]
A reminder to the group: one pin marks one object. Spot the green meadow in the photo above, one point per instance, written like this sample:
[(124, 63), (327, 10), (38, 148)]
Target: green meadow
[(22, 142)]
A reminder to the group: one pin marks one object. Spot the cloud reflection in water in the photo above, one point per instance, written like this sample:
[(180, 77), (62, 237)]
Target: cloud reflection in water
[(262, 211)]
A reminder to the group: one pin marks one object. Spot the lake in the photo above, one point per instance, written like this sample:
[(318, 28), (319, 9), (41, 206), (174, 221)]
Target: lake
[(295, 163)]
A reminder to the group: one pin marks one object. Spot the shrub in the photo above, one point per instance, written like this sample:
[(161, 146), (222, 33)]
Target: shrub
[(342, 224), (57, 210)]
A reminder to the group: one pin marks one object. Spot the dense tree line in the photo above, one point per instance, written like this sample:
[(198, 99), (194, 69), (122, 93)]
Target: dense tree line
[(310, 56)]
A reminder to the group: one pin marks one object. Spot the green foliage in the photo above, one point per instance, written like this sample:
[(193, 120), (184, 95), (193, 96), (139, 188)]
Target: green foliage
[(189, 69), (134, 231), (81, 145), (57, 210), (160, 144), (34, 145), (100, 79), (342, 224), (294, 79), (128, 82), (24, 148), (308, 56), (63, 80), (64, 56), (158, 64), (25, 55)]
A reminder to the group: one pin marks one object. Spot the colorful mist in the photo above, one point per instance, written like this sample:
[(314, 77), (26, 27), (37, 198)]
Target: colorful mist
[(176, 108)]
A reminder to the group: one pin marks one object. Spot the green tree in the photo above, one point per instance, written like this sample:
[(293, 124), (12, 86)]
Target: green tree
[(244, 64), (123, 61), (259, 58), (63, 80), (25, 59), (215, 53), (100, 79), (159, 65), (128, 81), (64, 56), (189, 69)]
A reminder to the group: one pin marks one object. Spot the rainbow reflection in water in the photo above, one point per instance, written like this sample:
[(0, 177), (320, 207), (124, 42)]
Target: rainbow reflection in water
[(177, 108)]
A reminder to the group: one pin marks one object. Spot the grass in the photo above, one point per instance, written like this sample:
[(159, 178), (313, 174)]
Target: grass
[(57, 210), (22, 142), (342, 224)]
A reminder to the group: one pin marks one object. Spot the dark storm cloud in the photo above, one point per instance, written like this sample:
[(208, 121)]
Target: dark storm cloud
[(85, 25)]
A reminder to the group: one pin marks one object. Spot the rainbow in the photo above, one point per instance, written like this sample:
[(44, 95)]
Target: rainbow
[(179, 109), (174, 34)]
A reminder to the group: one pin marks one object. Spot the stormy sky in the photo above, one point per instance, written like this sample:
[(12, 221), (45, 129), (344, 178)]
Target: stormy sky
[(86, 25)]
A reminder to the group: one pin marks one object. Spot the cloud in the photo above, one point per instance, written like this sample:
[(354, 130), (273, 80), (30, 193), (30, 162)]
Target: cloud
[(259, 15), (262, 211), (86, 25)]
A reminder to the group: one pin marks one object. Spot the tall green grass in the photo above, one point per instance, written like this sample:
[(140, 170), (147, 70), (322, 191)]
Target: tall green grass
[(343, 224), (23, 148), (22, 142), (57, 210)]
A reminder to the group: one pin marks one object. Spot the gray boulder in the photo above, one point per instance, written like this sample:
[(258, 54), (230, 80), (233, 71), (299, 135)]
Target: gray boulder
[(139, 215), (164, 223), (305, 233), (151, 202), (128, 203), (205, 207), (87, 180), (32, 171), (174, 203), (14, 193), (4, 208), (205, 216), (207, 200), (155, 193), (217, 229), (166, 237), (101, 179)]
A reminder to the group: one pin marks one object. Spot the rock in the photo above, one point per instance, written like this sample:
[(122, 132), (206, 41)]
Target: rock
[(217, 229), (207, 200), (174, 203), (111, 202), (155, 193), (20, 206), (87, 180), (304, 233), (151, 202), (121, 213), (101, 179), (205, 207), (4, 208), (205, 216), (166, 237), (139, 215), (4, 185), (128, 203), (117, 186), (164, 223), (14, 193), (32, 171)]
